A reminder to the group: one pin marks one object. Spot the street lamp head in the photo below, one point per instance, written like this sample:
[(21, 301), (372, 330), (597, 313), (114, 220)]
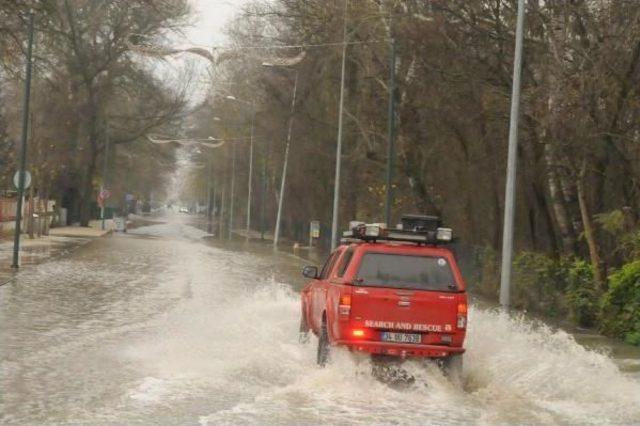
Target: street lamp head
[(231, 98), (285, 62)]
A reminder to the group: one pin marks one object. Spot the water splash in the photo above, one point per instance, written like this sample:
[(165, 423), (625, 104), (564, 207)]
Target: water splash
[(237, 337), (169, 330)]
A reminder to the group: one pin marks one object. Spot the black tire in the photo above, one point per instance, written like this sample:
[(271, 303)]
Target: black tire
[(303, 336), (323, 345), (452, 367)]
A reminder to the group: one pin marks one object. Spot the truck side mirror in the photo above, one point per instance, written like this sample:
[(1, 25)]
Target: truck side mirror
[(310, 272)]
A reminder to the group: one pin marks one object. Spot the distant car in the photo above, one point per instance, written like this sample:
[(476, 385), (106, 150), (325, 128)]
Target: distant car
[(389, 293), (183, 210)]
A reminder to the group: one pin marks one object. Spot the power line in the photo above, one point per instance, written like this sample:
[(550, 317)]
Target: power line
[(195, 48), (302, 46)]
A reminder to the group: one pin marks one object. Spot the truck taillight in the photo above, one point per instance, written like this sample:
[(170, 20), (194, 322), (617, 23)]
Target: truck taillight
[(344, 308), (462, 316)]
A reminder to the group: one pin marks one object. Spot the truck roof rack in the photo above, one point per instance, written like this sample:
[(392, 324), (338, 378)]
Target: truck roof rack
[(417, 229)]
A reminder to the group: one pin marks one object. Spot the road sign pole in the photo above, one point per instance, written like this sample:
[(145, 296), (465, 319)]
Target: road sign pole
[(510, 189), (23, 148)]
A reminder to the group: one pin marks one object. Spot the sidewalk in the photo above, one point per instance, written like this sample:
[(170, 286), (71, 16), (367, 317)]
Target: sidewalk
[(78, 231), (59, 242), (253, 235), (313, 254)]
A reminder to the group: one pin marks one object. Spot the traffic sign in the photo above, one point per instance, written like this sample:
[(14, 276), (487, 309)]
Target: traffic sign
[(27, 179), (314, 229), (102, 196)]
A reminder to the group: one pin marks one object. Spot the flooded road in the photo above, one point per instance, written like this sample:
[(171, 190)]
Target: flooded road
[(163, 327)]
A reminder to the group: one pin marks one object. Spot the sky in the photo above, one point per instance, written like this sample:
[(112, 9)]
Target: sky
[(210, 18)]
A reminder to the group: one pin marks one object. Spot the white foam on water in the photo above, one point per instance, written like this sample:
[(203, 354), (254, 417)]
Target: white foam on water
[(150, 390)]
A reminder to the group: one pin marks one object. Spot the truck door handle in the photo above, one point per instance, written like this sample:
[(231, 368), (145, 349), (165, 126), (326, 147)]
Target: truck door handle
[(404, 303)]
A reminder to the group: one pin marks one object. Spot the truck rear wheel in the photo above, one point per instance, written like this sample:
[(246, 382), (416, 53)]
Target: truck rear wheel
[(323, 345), (452, 366)]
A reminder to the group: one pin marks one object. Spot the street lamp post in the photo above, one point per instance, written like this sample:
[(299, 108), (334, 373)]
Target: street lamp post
[(210, 196), (23, 147), (336, 185), (512, 157), (391, 123), (249, 190), (104, 178), (263, 205), (250, 183), (286, 64), (276, 234), (210, 143), (232, 189)]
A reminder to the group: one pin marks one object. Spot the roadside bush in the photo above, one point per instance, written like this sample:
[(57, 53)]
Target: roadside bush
[(540, 283), (488, 276), (630, 245), (556, 287), (620, 314), (582, 293)]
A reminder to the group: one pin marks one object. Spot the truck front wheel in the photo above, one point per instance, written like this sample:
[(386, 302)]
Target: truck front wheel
[(303, 336)]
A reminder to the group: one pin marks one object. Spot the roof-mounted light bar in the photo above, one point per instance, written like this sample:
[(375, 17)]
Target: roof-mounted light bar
[(414, 228)]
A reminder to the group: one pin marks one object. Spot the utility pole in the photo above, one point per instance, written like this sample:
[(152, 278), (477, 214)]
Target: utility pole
[(233, 181), (104, 175), (391, 134), (250, 182), (263, 205), (510, 189), (276, 235), (23, 147), (249, 191), (221, 220), (336, 184), (210, 196)]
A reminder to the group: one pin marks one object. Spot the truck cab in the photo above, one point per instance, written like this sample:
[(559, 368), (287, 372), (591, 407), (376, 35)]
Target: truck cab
[(394, 293)]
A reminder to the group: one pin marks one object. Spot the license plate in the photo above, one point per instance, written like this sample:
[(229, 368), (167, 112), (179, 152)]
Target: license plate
[(387, 336)]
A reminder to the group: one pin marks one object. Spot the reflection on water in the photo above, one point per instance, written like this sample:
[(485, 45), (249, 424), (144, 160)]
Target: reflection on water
[(162, 327)]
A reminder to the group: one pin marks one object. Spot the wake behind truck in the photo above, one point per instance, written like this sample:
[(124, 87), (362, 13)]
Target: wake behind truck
[(392, 293)]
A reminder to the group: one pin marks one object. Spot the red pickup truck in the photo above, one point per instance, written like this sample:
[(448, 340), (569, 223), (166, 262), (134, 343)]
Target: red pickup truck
[(390, 293)]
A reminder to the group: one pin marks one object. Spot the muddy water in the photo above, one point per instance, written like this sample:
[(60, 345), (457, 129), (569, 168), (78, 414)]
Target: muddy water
[(164, 328)]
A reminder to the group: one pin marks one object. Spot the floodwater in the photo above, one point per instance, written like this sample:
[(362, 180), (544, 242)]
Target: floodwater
[(162, 326)]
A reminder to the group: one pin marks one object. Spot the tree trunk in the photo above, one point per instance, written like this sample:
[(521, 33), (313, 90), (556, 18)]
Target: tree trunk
[(557, 203), (86, 189), (588, 226)]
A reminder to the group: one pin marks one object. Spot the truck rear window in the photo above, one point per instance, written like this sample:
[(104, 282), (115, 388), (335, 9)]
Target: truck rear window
[(403, 271)]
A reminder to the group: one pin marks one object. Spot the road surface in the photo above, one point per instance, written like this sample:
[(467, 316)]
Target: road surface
[(161, 326)]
